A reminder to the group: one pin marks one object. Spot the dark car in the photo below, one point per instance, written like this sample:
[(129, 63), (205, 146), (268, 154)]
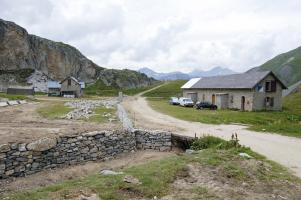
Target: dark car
[(174, 101), (203, 105)]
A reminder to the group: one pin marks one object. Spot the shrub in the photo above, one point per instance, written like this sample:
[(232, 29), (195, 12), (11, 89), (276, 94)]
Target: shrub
[(208, 141)]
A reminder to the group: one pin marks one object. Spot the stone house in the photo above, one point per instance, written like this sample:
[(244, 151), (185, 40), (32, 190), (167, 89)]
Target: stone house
[(70, 86), (251, 91)]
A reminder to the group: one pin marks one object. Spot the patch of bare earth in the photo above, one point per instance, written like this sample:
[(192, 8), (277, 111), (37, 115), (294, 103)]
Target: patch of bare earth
[(22, 123), (204, 182), (52, 176)]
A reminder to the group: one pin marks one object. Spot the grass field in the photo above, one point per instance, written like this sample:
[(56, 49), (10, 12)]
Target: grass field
[(169, 89), (99, 113), (286, 122), (54, 110), (12, 97), (100, 89), (156, 177)]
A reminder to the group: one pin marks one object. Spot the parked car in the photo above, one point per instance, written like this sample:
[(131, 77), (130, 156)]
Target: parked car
[(174, 101), (203, 105), (186, 102)]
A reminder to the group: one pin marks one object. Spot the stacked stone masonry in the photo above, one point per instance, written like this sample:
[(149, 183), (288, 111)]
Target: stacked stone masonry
[(24, 159)]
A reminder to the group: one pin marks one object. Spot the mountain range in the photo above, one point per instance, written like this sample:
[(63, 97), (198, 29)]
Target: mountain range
[(29, 59), (287, 66), (216, 71)]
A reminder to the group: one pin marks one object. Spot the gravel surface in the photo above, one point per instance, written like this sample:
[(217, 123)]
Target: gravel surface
[(282, 149), (84, 108)]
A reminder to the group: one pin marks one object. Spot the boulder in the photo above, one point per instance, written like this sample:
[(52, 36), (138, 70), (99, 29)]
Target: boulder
[(4, 148), (3, 104), (109, 172), (132, 180), (12, 103), (42, 144)]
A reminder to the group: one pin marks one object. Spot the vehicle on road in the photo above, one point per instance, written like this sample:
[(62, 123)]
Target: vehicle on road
[(174, 101), (186, 102), (203, 105)]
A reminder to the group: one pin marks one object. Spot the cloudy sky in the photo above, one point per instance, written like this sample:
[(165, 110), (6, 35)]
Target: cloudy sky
[(165, 35)]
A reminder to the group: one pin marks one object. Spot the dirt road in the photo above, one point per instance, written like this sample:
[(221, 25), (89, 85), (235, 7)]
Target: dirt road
[(282, 149)]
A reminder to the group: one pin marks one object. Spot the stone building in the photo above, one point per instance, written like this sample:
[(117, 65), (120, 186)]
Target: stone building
[(70, 86), (251, 91)]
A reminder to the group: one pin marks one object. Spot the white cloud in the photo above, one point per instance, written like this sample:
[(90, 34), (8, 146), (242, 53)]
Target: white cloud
[(165, 35)]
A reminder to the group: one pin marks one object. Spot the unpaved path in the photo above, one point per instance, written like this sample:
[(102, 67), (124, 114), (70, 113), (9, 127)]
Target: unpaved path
[(282, 149)]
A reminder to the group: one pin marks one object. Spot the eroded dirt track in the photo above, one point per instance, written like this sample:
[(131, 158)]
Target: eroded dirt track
[(282, 149)]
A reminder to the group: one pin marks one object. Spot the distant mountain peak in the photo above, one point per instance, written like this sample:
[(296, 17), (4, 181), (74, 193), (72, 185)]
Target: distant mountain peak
[(218, 70)]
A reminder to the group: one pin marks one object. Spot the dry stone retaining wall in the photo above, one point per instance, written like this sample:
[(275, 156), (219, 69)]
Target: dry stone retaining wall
[(24, 159)]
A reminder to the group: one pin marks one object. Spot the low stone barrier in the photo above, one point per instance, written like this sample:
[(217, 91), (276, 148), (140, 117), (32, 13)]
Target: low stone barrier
[(24, 159), (156, 140)]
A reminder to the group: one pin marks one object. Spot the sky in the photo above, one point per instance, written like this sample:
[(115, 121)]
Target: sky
[(165, 35)]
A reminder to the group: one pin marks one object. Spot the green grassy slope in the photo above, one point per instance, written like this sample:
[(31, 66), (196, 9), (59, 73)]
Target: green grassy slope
[(287, 66), (171, 88), (100, 89)]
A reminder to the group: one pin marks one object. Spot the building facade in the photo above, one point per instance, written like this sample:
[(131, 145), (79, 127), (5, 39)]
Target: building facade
[(251, 91), (69, 87)]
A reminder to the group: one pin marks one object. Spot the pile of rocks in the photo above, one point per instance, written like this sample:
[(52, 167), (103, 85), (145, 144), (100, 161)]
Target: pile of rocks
[(84, 108)]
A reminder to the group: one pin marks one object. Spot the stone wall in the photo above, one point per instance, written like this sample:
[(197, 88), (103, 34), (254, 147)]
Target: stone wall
[(156, 140), (24, 159)]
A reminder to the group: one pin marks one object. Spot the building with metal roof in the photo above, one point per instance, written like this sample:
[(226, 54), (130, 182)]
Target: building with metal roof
[(259, 90), (70, 87)]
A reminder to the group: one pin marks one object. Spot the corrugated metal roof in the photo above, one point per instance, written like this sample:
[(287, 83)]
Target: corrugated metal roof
[(190, 83), (235, 81), (53, 84)]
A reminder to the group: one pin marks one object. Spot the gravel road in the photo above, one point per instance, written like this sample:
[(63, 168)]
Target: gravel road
[(282, 149)]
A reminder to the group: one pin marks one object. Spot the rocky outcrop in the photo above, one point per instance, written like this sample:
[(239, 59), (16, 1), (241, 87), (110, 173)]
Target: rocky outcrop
[(56, 60)]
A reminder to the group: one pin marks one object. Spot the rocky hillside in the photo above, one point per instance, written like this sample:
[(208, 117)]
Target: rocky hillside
[(287, 66), (26, 58)]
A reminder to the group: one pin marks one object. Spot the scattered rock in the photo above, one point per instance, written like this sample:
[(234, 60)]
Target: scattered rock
[(42, 144), (109, 172), (245, 155), (132, 180), (4, 148), (190, 151), (83, 108), (91, 197)]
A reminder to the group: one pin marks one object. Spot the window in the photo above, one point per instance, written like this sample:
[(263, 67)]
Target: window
[(231, 99), (270, 86), (269, 101), (267, 86), (203, 97), (273, 86), (69, 82), (259, 88)]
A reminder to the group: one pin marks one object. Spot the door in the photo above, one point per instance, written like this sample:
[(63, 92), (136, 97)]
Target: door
[(243, 100), (213, 99), (193, 97)]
